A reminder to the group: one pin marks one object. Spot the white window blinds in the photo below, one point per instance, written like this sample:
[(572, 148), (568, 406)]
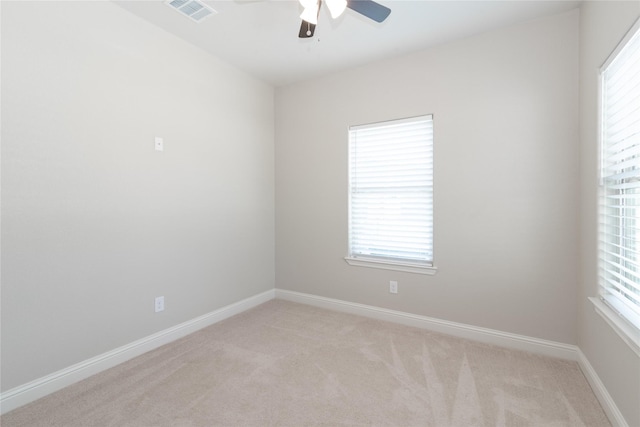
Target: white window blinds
[(619, 241), (391, 191)]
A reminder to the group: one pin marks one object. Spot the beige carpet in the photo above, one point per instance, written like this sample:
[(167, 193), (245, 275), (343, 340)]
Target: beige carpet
[(294, 365)]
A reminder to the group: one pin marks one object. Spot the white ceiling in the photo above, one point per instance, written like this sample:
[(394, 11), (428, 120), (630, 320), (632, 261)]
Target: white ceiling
[(261, 37)]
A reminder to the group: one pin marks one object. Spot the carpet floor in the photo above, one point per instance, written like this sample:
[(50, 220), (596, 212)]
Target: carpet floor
[(288, 364)]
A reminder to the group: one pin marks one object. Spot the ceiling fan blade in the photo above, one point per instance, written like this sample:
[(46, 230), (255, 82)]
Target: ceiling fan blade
[(370, 9), (306, 30)]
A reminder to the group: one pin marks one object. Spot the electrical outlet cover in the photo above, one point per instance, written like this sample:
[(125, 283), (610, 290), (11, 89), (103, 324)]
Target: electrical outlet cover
[(159, 304), (393, 287)]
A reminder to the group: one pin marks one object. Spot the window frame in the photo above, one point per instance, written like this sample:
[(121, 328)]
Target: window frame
[(624, 321), (378, 261)]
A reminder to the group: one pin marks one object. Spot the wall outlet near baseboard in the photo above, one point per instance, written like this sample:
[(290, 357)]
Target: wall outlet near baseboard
[(159, 304), (393, 287)]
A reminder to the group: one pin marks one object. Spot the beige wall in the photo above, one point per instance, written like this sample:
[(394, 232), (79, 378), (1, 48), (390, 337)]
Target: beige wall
[(602, 26), (505, 107), (95, 223)]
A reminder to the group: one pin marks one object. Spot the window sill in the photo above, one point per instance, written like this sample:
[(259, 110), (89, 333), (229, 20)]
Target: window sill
[(626, 331), (391, 265)]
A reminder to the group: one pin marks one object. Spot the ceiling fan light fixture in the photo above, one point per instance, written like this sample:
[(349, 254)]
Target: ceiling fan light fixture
[(336, 7), (309, 3), (310, 12), (368, 8)]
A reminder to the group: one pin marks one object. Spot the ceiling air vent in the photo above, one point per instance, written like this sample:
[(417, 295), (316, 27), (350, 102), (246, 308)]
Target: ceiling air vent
[(194, 9)]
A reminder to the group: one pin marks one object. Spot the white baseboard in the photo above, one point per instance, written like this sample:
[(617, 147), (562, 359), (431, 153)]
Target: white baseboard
[(475, 333), (41, 387), (489, 336), (605, 399)]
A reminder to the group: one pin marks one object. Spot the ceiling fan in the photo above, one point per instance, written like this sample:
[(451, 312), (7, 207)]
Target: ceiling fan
[(368, 8)]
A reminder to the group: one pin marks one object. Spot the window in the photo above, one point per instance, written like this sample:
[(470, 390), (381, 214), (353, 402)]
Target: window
[(619, 234), (391, 195)]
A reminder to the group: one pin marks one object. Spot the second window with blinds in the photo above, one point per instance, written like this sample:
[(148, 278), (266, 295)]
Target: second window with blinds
[(619, 225), (391, 195)]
